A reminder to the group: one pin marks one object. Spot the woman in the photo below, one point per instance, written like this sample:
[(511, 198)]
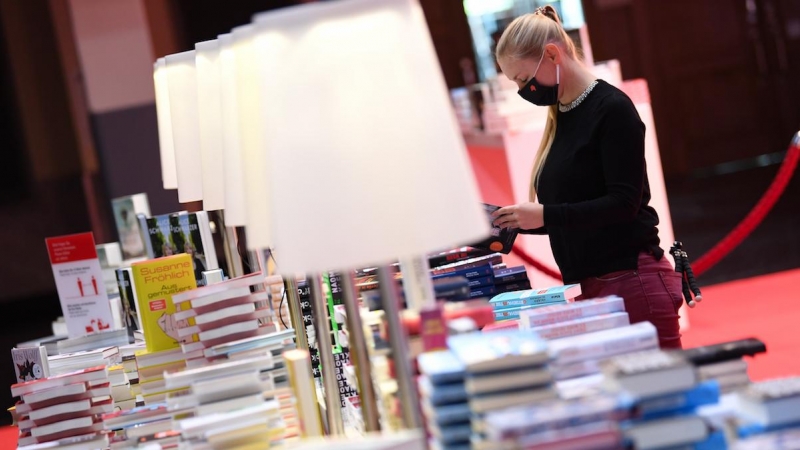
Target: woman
[(589, 178)]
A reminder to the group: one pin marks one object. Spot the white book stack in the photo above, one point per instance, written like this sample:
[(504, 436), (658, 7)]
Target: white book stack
[(232, 402), (222, 312), (581, 355), (151, 388), (112, 338), (62, 406), (70, 362), (152, 424)]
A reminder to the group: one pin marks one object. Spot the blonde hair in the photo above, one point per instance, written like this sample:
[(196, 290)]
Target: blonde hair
[(525, 38)]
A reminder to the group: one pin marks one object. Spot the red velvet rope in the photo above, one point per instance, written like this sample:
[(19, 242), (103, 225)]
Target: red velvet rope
[(736, 236)]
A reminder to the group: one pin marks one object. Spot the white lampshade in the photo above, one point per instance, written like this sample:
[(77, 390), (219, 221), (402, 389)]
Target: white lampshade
[(235, 215), (209, 108), (367, 163), (254, 152), (182, 81), (169, 177)]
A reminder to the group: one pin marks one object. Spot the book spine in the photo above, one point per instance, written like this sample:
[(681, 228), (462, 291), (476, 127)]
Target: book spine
[(468, 272), (583, 325), (511, 272), (298, 365), (454, 257), (480, 282), (483, 292), (512, 287), (605, 345), (145, 232), (536, 317), (514, 278), (488, 260), (530, 301)]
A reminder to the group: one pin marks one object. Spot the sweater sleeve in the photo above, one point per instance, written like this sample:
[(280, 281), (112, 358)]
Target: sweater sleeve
[(621, 143)]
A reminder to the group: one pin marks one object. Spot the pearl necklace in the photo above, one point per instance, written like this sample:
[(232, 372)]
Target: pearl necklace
[(577, 101)]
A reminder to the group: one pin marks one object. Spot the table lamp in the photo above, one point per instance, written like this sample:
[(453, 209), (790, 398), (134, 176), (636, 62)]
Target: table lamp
[(166, 149), (182, 83), (209, 109), (366, 161)]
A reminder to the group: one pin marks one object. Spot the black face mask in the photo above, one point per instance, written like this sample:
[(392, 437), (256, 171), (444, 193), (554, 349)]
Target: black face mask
[(540, 95)]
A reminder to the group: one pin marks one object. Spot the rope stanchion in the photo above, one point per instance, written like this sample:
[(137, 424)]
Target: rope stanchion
[(735, 236)]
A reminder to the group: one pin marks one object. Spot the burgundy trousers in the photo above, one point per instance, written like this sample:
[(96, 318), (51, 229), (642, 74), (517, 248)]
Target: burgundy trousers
[(652, 292)]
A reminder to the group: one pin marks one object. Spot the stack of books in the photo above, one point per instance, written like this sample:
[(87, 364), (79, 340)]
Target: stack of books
[(128, 356), (768, 406), (724, 362), (220, 313), (151, 424), (120, 387), (63, 406), (70, 362), (444, 400), (581, 355), (571, 319), (511, 279), (113, 338), (479, 273), (151, 367), (502, 369), (666, 394), (507, 306)]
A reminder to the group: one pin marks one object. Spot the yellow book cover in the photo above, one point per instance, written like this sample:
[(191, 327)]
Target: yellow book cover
[(156, 281)]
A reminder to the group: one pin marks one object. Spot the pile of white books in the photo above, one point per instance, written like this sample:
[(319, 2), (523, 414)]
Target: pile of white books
[(63, 406)]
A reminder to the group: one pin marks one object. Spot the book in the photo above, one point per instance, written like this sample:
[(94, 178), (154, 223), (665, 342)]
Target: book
[(513, 287), (532, 297), (667, 432), (600, 435), (441, 367), (604, 344), (510, 275), (130, 235), (481, 261), (454, 256), (683, 402), (483, 270), (299, 364), (649, 374), (582, 325), (30, 363), (547, 315), (191, 234), (500, 239), (80, 376), (500, 350), (482, 292), (519, 379), (156, 282), (772, 402), (157, 235), (484, 403), (442, 394)]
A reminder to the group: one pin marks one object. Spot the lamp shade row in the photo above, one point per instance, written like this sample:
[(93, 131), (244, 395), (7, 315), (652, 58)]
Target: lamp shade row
[(326, 130)]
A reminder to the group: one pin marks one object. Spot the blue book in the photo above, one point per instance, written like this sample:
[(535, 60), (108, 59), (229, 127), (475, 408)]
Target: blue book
[(441, 367), (456, 413), (452, 434), (443, 394), (472, 272), (480, 282), (487, 291), (705, 393), (510, 271), (511, 313), (499, 350), (532, 297)]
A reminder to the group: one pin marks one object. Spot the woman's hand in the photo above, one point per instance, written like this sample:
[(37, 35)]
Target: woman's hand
[(525, 216)]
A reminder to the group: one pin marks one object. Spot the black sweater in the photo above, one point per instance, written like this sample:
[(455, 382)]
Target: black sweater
[(594, 188)]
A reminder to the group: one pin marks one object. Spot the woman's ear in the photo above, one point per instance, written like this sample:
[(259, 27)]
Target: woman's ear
[(553, 53)]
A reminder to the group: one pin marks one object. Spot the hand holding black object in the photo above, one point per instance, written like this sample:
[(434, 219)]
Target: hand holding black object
[(525, 216), (688, 281)]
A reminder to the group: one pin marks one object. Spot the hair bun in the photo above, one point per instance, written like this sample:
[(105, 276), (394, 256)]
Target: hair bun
[(549, 12)]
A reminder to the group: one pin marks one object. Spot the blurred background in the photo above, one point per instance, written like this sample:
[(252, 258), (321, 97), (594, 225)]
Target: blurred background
[(78, 119)]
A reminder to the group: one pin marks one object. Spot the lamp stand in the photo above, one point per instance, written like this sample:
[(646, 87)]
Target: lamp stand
[(333, 403), (360, 355), (397, 339), (295, 312)]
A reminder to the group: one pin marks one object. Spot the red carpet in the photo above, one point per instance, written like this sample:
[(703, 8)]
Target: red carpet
[(766, 307)]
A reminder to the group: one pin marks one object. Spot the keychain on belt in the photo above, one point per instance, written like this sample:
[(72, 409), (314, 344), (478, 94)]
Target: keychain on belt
[(688, 282)]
